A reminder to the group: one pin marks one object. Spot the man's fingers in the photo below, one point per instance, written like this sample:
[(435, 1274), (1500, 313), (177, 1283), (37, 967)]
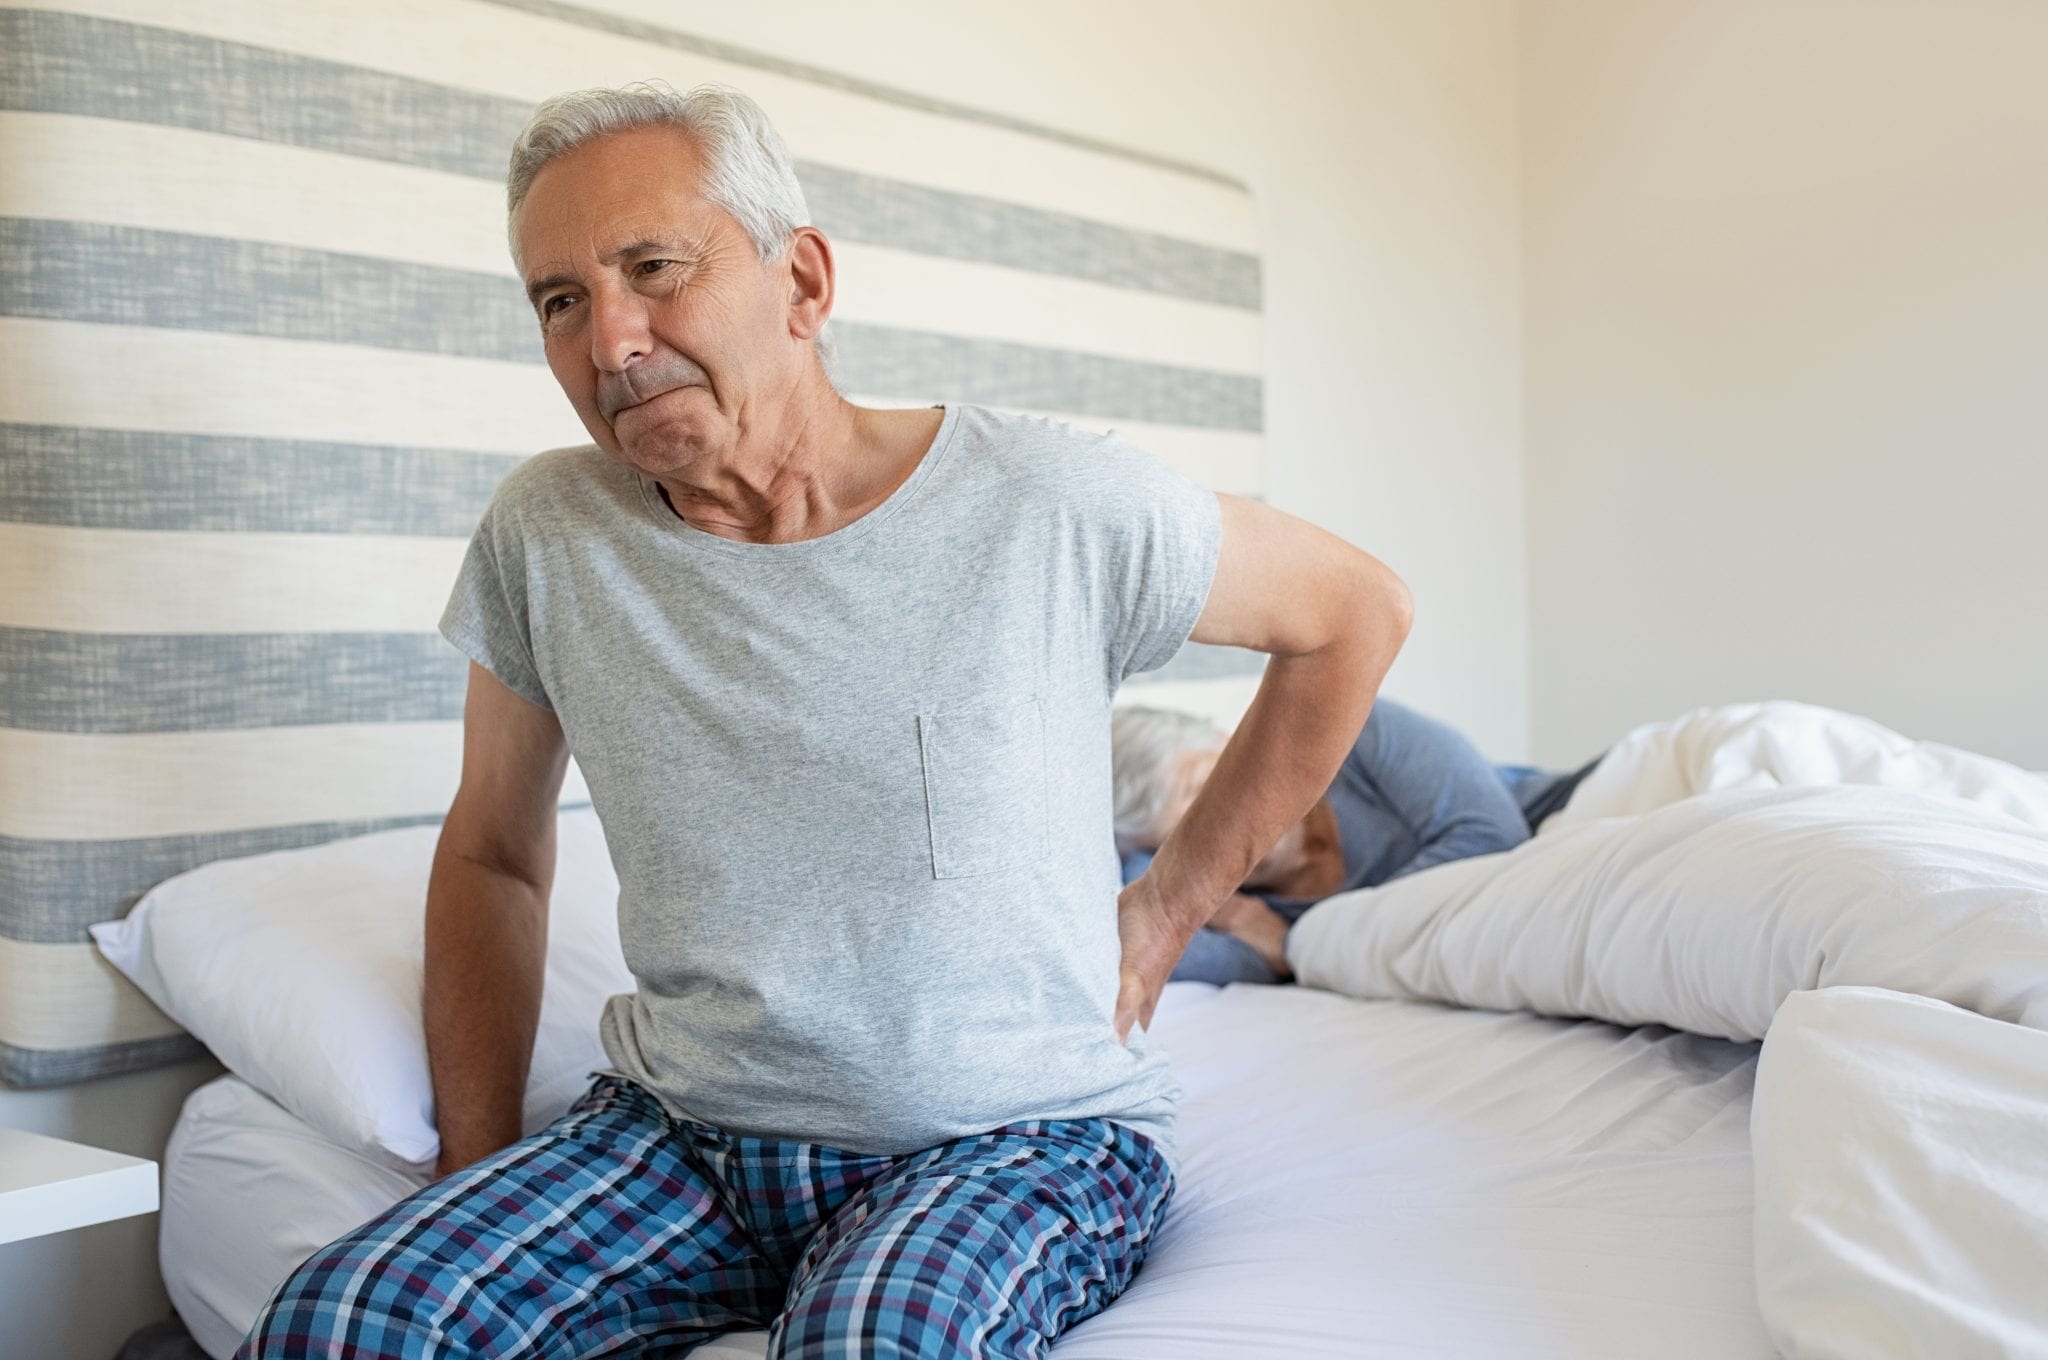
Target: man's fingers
[(1130, 998), (1135, 1002)]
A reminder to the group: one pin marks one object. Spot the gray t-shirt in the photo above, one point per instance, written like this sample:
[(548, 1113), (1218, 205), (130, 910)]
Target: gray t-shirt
[(857, 788)]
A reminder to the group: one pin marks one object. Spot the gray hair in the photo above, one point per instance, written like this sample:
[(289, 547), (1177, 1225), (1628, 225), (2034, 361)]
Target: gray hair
[(747, 168), (1145, 750)]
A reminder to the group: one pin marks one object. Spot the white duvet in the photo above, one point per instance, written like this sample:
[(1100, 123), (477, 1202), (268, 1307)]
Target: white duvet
[(1875, 910)]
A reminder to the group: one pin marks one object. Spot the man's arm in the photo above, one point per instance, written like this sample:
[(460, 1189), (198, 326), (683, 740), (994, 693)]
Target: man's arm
[(1332, 619), (487, 919)]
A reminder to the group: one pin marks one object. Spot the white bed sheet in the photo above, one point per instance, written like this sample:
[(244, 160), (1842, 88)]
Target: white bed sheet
[(1359, 1179)]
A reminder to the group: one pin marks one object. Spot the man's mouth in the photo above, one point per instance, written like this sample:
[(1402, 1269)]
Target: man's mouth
[(621, 392), (634, 405)]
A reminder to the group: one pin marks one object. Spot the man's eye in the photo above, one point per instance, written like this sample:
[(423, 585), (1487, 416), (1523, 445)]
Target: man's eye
[(554, 305), (653, 266)]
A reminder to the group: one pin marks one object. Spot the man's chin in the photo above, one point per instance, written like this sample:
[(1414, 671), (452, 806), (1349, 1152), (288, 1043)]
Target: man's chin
[(662, 450)]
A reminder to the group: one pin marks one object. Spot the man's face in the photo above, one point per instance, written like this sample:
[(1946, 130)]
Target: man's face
[(660, 320)]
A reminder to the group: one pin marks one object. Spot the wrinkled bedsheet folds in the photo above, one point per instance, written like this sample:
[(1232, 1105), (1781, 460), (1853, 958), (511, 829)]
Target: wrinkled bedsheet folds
[(1876, 911)]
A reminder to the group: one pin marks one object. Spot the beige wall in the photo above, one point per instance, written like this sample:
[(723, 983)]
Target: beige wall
[(1787, 338)]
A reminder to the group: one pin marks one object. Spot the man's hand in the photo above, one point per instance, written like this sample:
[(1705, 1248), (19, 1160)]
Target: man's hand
[(448, 1163), (1153, 935), (454, 1158)]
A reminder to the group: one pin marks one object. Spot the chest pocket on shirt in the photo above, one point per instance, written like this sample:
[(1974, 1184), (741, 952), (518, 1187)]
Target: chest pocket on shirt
[(984, 786)]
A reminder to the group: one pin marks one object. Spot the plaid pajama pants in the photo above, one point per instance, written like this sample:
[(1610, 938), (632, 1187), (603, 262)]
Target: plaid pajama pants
[(621, 1231)]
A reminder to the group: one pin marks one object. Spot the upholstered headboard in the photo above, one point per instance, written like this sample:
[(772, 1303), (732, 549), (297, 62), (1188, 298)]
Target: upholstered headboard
[(263, 358)]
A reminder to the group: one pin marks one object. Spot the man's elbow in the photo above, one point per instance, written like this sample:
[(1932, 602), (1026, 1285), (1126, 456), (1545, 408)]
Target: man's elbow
[(1381, 605), (481, 839)]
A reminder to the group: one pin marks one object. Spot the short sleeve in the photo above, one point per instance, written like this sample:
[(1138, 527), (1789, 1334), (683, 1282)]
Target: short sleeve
[(1161, 537), (487, 617)]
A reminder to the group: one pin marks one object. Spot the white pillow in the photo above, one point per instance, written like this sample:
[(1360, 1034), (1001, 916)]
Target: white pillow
[(301, 970)]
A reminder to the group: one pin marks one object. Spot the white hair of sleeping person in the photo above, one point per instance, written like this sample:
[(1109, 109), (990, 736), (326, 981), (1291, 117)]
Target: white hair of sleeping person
[(747, 167), (1158, 759)]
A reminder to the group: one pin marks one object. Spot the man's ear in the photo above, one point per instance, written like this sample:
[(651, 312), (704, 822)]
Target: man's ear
[(810, 282)]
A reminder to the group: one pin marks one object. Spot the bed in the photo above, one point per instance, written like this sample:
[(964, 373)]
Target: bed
[(1744, 1057), (1359, 1178)]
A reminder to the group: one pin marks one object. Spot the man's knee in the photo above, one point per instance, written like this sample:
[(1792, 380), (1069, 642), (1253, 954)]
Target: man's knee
[(368, 1295), (444, 1271), (992, 1264), (878, 1320)]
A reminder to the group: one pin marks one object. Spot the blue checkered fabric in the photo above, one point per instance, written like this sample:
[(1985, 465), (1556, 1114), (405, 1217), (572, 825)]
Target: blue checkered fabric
[(621, 1231)]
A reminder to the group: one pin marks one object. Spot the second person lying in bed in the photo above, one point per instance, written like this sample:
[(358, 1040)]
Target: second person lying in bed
[(1413, 793)]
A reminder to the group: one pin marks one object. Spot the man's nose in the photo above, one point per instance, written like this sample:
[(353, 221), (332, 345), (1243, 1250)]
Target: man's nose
[(618, 330)]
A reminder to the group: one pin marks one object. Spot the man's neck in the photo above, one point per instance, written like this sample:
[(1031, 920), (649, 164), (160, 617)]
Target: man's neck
[(821, 466)]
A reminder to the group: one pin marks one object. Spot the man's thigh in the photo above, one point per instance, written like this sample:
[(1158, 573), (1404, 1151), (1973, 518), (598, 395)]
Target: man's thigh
[(598, 1233), (987, 1246)]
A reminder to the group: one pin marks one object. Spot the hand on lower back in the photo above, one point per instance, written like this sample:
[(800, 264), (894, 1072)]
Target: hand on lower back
[(1152, 944)]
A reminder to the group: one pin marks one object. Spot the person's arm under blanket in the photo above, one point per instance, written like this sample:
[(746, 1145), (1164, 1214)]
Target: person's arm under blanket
[(1436, 782), (1331, 618)]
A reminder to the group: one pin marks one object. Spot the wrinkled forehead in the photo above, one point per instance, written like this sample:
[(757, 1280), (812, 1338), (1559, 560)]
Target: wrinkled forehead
[(636, 184)]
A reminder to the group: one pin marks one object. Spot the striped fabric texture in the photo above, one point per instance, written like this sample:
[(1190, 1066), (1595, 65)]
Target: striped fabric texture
[(263, 358)]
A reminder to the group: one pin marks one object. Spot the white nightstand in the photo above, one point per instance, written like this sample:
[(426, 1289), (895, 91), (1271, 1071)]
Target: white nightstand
[(48, 1185)]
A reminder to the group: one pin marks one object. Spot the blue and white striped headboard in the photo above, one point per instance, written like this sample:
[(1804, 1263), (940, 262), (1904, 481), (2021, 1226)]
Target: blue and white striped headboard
[(263, 358)]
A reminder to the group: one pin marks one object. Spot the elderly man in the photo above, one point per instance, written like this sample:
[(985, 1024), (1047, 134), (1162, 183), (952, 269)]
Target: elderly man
[(839, 681)]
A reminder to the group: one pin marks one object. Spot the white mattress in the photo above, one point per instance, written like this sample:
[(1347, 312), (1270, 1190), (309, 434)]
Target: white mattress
[(1358, 1179)]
